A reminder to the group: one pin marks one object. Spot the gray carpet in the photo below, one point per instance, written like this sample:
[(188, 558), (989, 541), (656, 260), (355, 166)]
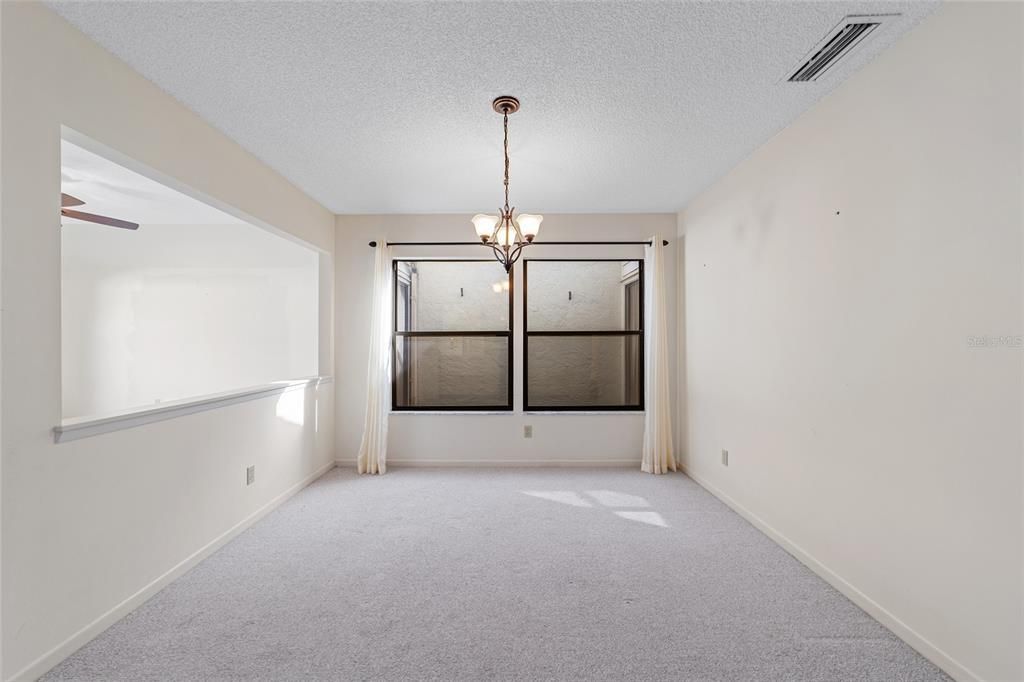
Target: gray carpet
[(458, 574)]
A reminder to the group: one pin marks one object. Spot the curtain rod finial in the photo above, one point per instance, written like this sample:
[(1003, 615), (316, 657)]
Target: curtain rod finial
[(664, 242), (373, 245)]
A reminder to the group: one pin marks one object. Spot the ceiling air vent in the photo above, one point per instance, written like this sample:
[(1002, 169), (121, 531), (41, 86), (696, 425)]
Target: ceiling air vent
[(848, 34)]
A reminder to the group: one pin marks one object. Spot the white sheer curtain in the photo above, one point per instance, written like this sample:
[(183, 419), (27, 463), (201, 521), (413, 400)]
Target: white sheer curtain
[(658, 454), (373, 451)]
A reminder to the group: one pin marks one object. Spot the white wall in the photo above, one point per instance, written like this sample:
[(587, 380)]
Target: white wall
[(836, 282), (479, 438), (179, 311), (88, 524)]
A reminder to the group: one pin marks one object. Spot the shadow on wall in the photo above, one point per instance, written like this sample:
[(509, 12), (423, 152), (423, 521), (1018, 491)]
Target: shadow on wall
[(605, 498), (754, 228)]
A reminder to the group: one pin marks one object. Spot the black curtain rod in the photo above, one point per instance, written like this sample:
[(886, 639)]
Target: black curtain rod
[(664, 242)]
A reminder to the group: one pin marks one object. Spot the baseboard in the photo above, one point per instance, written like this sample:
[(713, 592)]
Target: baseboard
[(69, 646), (502, 463), (874, 609)]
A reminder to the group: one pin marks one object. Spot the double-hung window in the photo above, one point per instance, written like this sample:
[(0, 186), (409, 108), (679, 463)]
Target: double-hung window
[(452, 336), (583, 335)]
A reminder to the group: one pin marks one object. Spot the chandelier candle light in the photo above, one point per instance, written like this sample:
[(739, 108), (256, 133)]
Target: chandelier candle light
[(505, 233)]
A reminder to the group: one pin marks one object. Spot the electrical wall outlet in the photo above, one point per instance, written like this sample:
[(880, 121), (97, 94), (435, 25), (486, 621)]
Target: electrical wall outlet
[(528, 431), (725, 458), (250, 474)]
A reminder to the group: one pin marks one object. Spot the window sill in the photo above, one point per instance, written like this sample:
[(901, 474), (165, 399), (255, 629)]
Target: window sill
[(84, 427), (585, 412), (451, 412), (514, 413)]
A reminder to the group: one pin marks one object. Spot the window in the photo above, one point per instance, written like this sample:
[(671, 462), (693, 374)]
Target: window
[(452, 336), (583, 345)]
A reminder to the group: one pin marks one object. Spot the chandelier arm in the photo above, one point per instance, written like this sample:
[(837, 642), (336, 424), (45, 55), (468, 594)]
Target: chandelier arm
[(494, 235), (502, 257), (498, 225), (515, 255), (497, 252), (515, 225)]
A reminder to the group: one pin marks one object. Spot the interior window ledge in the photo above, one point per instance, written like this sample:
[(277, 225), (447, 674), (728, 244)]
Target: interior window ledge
[(447, 413), (516, 413), (84, 427), (584, 413)]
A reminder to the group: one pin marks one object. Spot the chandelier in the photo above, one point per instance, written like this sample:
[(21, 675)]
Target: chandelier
[(505, 233)]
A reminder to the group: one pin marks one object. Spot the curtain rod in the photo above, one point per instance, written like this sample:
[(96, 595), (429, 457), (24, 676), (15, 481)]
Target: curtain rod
[(664, 242)]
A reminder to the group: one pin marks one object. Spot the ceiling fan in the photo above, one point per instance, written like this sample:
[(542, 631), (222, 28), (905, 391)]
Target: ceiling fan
[(67, 200)]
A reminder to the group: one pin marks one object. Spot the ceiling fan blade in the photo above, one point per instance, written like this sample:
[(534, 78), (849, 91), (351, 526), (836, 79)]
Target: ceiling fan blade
[(68, 200), (100, 219)]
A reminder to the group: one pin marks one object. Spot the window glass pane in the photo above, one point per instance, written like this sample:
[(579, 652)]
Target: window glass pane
[(582, 295), (452, 296), (583, 371), (451, 371)]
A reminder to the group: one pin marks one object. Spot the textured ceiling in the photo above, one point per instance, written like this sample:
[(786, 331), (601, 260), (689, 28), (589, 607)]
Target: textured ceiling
[(384, 107)]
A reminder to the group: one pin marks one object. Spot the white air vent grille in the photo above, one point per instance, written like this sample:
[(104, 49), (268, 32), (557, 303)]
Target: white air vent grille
[(850, 33)]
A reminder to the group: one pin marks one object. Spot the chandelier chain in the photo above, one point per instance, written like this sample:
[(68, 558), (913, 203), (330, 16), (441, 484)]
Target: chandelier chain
[(502, 233), (506, 161)]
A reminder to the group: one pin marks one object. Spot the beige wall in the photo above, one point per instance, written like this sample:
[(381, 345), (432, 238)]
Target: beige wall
[(837, 283), (90, 526), (481, 438)]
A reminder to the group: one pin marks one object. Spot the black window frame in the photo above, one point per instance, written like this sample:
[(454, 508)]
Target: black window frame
[(639, 333), (397, 334)]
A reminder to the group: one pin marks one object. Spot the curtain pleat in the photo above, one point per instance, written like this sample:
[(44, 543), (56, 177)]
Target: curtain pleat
[(658, 453), (373, 450)]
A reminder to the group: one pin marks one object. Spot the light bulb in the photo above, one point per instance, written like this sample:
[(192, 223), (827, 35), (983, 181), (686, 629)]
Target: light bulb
[(529, 225)]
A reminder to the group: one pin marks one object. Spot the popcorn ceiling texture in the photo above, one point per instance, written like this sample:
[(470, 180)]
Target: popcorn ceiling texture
[(385, 107)]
